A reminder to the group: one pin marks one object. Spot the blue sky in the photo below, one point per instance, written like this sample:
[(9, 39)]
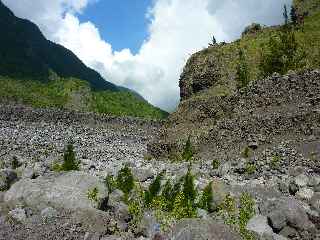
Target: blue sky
[(123, 23)]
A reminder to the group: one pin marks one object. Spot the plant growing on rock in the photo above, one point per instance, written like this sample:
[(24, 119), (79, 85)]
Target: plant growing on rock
[(154, 189), (242, 74), (275, 161), (215, 163), (250, 168), (205, 201), (69, 161), (111, 183), (188, 151), (93, 194), (125, 181), (246, 212)]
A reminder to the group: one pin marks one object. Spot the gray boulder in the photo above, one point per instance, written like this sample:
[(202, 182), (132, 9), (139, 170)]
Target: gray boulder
[(301, 180), (18, 214), (197, 229), (287, 210), (7, 178), (64, 190), (315, 202), (259, 224)]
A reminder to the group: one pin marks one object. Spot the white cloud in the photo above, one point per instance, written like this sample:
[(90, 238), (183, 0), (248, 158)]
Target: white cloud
[(177, 28)]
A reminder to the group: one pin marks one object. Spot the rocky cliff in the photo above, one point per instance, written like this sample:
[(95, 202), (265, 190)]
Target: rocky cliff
[(223, 120)]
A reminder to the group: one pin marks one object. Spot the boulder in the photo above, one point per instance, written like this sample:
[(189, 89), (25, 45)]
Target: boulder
[(305, 193), (301, 180), (197, 229), (287, 210), (7, 178), (315, 202), (259, 224), (18, 214), (67, 190)]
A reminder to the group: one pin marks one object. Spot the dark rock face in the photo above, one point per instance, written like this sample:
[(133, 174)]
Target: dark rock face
[(275, 110)]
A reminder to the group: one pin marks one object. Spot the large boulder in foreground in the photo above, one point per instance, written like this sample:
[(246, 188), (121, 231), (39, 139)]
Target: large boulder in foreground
[(197, 229), (67, 190)]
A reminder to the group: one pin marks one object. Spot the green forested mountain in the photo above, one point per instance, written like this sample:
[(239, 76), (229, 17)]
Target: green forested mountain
[(40, 73)]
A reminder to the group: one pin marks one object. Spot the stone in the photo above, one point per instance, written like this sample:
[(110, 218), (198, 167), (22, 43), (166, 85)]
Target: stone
[(18, 214), (224, 169), (220, 193), (91, 236), (7, 178), (305, 194), (143, 174), (314, 181), (289, 232), (148, 225), (259, 225), (198, 229), (293, 188), (277, 220), (29, 172), (67, 190), (315, 202), (301, 180), (49, 213), (289, 208)]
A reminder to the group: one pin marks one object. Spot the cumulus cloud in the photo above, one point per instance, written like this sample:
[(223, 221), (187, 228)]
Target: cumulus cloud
[(177, 28)]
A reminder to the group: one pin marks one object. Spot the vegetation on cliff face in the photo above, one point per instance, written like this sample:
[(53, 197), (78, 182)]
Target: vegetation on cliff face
[(75, 94), (213, 71)]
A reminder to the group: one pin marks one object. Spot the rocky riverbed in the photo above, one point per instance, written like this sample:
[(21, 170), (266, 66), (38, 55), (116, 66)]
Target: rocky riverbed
[(39, 203)]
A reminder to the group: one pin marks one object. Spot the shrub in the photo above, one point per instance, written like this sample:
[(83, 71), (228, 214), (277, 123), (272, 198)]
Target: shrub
[(275, 161), (242, 74), (246, 152), (69, 161), (189, 190), (110, 183), (125, 180), (183, 208), (281, 54), (188, 152), (253, 28), (251, 168), (206, 198), (215, 164), (246, 212), (93, 194), (153, 190), (170, 193)]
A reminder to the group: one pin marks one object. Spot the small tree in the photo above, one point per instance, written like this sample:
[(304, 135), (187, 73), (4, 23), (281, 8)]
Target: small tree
[(153, 190), (189, 189), (242, 74), (69, 160), (125, 181), (293, 15), (214, 41), (188, 153), (285, 15), (281, 54)]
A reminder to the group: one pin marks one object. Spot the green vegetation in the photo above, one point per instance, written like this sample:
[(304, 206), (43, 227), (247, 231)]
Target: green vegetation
[(242, 74), (92, 194), (282, 53), (69, 161), (15, 163), (250, 168), (246, 152), (153, 190), (75, 94), (110, 183), (125, 181), (275, 161), (215, 163), (206, 198), (188, 151)]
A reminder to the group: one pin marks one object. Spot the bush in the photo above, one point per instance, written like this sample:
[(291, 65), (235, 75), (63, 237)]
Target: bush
[(125, 180), (110, 183), (69, 161), (93, 195), (242, 74), (153, 190), (281, 54), (206, 198), (188, 152), (215, 164), (253, 28)]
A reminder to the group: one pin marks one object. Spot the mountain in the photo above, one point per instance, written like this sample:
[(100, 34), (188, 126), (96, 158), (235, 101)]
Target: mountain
[(26, 53), (56, 77), (222, 119)]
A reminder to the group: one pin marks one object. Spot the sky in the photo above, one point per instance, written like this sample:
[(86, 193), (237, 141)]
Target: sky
[(144, 44)]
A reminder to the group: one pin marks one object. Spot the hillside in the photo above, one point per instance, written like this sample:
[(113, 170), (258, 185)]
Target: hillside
[(208, 86), (74, 94), (26, 54), (40, 73)]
